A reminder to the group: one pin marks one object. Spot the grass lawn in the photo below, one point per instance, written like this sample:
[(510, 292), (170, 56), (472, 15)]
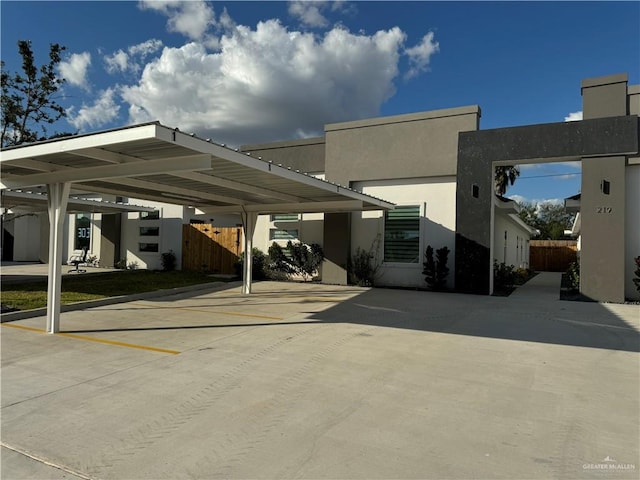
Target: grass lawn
[(78, 288)]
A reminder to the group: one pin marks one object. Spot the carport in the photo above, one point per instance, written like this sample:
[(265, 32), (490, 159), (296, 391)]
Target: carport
[(154, 162)]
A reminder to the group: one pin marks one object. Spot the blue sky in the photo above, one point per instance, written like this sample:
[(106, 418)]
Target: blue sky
[(247, 72)]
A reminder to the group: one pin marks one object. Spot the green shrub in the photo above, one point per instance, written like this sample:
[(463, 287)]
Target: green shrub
[(298, 258), (305, 259), (573, 277), (636, 280), (361, 269), (436, 270), (259, 264), (504, 276), (279, 262), (522, 275), (169, 261)]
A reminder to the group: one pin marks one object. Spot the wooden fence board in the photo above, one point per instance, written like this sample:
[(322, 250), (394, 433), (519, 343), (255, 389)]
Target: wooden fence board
[(206, 248), (552, 255)]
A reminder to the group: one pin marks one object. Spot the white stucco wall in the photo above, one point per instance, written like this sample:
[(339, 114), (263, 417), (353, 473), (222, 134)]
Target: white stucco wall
[(632, 228), (436, 197), (514, 250), (169, 238), (26, 234), (310, 227)]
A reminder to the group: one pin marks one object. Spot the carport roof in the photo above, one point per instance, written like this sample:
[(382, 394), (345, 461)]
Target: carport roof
[(154, 162), (27, 201)]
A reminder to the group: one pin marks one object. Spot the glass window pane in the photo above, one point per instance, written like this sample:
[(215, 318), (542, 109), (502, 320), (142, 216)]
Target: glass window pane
[(275, 234), (148, 247), (150, 215), (83, 231), (149, 231), (289, 217), (402, 234)]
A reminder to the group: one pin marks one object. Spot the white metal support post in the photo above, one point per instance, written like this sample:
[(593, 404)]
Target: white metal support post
[(249, 225), (57, 198)]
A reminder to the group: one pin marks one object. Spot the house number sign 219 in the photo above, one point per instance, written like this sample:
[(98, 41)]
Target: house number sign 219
[(604, 209)]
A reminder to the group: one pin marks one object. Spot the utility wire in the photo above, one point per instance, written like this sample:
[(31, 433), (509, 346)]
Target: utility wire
[(551, 175)]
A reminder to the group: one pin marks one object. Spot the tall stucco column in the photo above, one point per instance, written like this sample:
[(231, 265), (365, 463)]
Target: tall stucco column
[(602, 205), (336, 246)]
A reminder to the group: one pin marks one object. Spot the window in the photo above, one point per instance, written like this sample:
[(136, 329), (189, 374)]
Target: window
[(402, 234), (275, 234), (149, 231), (148, 247), (155, 215), (289, 217), (83, 231)]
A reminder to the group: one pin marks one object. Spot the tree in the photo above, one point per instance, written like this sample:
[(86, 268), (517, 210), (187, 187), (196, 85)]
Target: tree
[(504, 177), (549, 218), (28, 103)]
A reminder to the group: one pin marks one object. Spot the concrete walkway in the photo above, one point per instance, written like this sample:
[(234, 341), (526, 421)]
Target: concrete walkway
[(320, 381), (544, 287)]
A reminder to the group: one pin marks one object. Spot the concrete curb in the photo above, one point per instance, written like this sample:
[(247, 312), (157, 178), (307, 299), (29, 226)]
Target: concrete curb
[(40, 312)]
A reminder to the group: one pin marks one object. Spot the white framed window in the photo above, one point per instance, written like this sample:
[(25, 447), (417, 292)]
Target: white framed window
[(402, 234)]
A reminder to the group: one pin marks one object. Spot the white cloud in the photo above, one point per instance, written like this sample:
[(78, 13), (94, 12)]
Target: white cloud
[(536, 201), (145, 49), (420, 55), (269, 83), (74, 70), (573, 117), (190, 18), (103, 111), (567, 176), (308, 13), (119, 61), (122, 61)]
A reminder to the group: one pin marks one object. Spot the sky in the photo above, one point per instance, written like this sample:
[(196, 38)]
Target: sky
[(252, 72)]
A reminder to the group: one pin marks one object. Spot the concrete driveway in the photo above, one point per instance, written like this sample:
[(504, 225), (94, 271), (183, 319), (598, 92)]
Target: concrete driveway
[(318, 381)]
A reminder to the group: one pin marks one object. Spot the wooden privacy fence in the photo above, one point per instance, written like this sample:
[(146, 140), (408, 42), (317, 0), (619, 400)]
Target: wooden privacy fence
[(552, 255), (206, 248)]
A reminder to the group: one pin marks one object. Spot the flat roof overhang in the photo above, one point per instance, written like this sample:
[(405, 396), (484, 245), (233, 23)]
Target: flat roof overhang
[(154, 162)]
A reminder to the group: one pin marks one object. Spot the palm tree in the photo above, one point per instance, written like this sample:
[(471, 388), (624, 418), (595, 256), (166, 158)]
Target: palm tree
[(504, 177)]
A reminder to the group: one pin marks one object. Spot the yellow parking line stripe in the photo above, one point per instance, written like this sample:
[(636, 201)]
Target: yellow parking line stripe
[(97, 340), (119, 344), (21, 327)]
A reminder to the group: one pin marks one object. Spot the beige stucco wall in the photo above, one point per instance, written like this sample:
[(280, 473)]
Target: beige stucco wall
[(169, 238), (306, 155), (403, 146)]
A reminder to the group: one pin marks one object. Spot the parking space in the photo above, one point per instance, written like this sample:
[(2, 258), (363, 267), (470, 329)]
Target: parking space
[(319, 381)]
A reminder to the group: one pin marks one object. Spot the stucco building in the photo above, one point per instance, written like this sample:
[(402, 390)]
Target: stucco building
[(437, 168)]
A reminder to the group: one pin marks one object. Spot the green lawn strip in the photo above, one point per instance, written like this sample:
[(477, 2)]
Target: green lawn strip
[(78, 288)]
